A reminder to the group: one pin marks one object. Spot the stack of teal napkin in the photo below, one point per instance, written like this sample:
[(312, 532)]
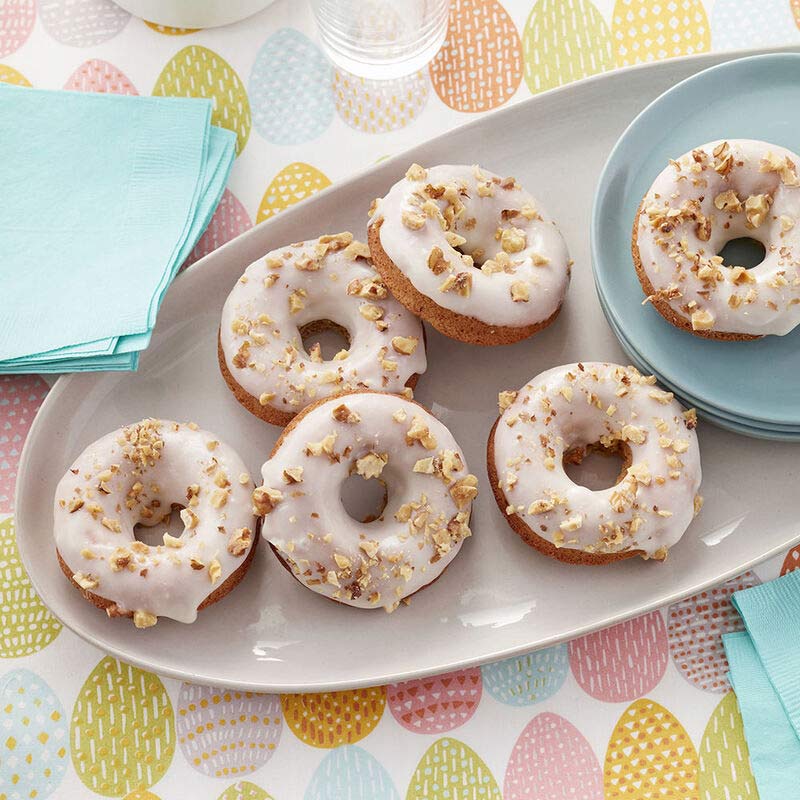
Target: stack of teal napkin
[(102, 197), (764, 662)]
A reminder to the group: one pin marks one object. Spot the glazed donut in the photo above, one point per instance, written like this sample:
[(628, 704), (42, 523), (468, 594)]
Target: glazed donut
[(297, 290), (473, 254), (556, 417), (428, 492), (134, 476), (721, 191)]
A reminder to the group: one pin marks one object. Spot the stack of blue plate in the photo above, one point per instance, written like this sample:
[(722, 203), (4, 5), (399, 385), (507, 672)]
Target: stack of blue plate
[(750, 387)]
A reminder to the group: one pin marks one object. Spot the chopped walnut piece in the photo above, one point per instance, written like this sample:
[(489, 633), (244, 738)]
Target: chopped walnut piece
[(356, 250), (112, 524), (464, 491), (412, 220), (219, 498), (172, 541), (296, 302), (399, 415), (632, 433), (75, 504), (740, 275), (323, 447), (86, 581), (343, 414), (370, 311), (571, 524), (436, 261), (540, 507), (698, 504), (371, 465), (405, 345), (214, 571), (690, 418), (756, 208), (240, 326), (265, 499), (506, 399), (454, 239), (343, 562), (189, 518), (728, 201), (293, 475), (723, 158), (539, 260), (782, 165), (419, 432), (787, 223), (424, 465), (460, 283), (144, 619), (486, 189), (702, 320), (513, 240), (370, 547), (416, 173), (520, 292)]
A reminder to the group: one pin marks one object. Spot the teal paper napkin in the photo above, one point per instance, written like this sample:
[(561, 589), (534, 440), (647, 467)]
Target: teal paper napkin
[(103, 198)]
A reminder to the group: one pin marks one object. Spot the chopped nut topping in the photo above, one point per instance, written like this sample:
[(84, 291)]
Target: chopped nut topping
[(419, 432), (702, 320), (142, 443), (572, 523), (296, 302), (265, 499), (698, 504), (214, 571), (75, 504), (756, 208), (265, 398), (371, 465), (112, 524), (370, 547), (520, 292), (405, 345), (540, 507), (189, 518), (343, 414), (512, 240), (240, 326), (454, 240), (787, 223), (370, 311), (460, 283), (782, 165), (412, 220), (86, 581), (728, 201), (324, 447), (399, 415), (416, 173), (219, 497), (436, 261), (172, 541), (144, 619), (343, 562), (464, 491), (293, 475), (631, 433), (424, 465), (505, 399), (723, 158)]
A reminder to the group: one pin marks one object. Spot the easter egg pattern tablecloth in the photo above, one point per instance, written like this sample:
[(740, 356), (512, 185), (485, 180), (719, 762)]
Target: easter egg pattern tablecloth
[(640, 710)]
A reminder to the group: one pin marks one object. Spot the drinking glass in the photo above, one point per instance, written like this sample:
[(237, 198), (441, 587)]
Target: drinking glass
[(381, 39)]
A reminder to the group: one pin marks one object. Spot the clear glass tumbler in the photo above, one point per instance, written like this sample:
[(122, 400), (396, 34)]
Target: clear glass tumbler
[(381, 39)]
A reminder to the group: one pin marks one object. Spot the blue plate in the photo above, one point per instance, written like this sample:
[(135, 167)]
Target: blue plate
[(755, 98)]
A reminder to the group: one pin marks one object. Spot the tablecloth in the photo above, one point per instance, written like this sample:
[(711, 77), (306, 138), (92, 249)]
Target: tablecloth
[(640, 710)]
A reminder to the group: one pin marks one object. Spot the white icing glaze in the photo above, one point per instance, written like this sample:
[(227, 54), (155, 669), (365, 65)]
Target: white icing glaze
[(128, 478), (536, 265), (580, 404), (422, 526), (685, 221), (324, 279)]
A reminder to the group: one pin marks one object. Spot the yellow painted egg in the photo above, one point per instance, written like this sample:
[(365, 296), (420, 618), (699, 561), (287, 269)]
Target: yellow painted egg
[(451, 769), (647, 31), (292, 184), (199, 72), (479, 66), (650, 756), (374, 106), (563, 41), (168, 30), (26, 626), (141, 794), (244, 790), (725, 772), (10, 75), (123, 729), (331, 719)]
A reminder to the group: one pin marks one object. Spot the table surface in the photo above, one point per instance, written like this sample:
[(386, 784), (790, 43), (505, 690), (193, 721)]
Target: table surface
[(639, 710)]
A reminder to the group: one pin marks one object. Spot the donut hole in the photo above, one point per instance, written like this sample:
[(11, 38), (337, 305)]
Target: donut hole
[(364, 499), (597, 466), (152, 533), (325, 338), (743, 251)]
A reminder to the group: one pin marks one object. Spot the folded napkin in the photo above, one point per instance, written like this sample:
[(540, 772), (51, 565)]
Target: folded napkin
[(764, 663), (103, 198)]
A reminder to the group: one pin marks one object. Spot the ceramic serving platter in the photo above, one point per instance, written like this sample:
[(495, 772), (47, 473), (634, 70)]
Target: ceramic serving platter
[(499, 597)]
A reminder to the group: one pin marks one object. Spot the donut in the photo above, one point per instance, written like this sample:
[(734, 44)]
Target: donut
[(557, 417), (134, 476), (473, 254), (299, 290), (428, 494), (721, 191)]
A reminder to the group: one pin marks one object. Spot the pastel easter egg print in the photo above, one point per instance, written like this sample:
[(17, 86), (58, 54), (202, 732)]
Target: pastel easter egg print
[(26, 626), (292, 184), (290, 89), (479, 66), (20, 398), (552, 760), (16, 23), (82, 23), (96, 75), (199, 72), (563, 41), (622, 662), (244, 790), (695, 627), (353, 773), (168, 30), (528, 679), (751, 23), (331, 719), (438, 704), (10, 75), (224, 733), (33, 737), (141, 794), (650, 756), (123, 729), (647, 31), (229, 220), (451, 769), (792, 561), (377, 106), (724, 772)]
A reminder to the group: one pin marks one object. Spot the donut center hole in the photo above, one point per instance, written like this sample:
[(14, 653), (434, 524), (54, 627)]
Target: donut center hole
[(152, 533), (364, 499), (323, 339), (597, 466), (743, 252)]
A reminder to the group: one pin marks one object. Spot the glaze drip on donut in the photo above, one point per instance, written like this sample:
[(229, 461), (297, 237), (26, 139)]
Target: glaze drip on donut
[(717, 192), (429, 496), (577, 405)]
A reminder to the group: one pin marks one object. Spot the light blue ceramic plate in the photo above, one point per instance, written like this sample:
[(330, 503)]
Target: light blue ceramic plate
[(735, 425), (756, 98)]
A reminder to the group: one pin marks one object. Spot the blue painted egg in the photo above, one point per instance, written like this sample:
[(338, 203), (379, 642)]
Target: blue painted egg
[(527, 679), (751, 23), (290, 89), (350, 771)]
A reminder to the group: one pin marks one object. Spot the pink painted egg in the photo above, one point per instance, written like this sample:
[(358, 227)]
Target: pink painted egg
[(695, 627), (16, 23), (438, 704), (622, 662), (20, 398), (551, 759), (229, 220), (97, 75), (227, 733)]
